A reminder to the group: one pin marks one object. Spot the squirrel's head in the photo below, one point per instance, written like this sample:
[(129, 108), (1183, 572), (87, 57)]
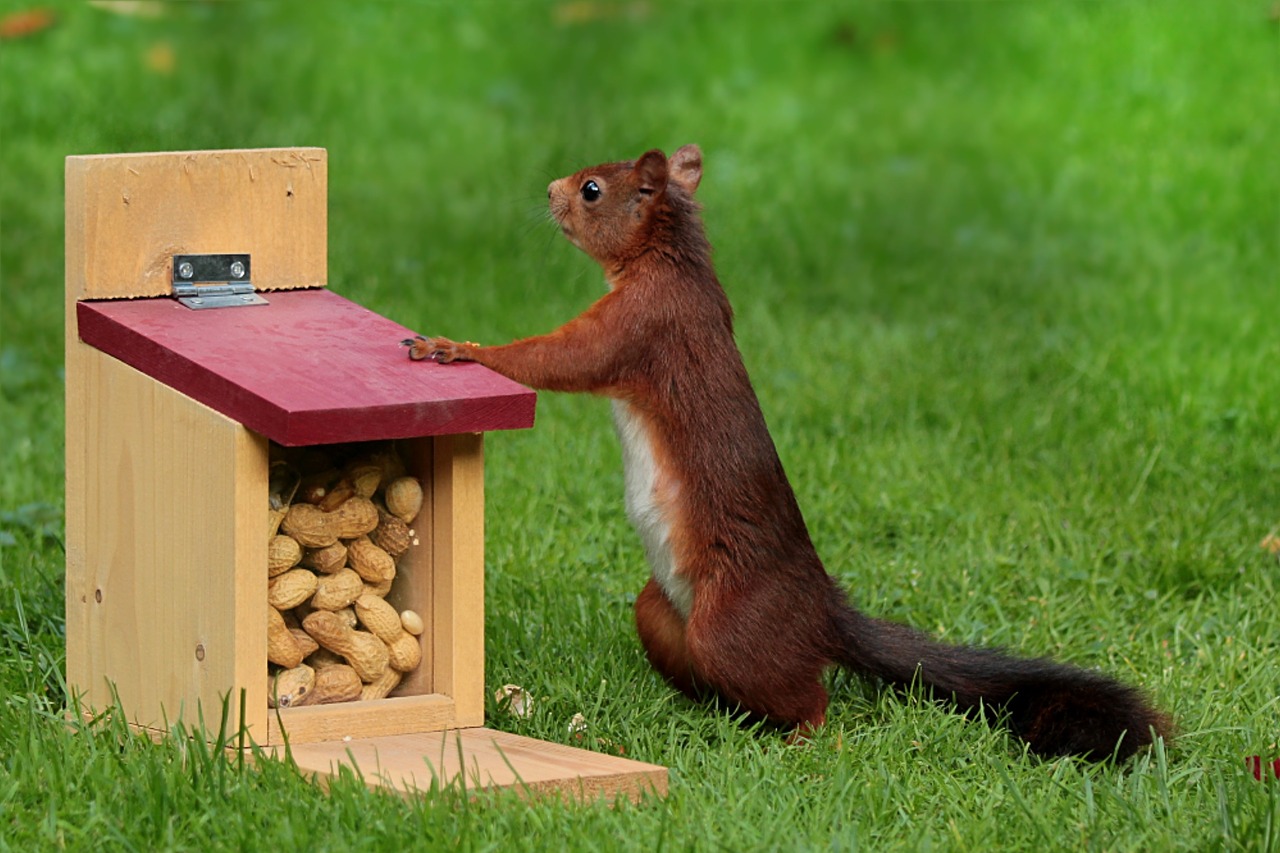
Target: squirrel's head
[(617, 211)]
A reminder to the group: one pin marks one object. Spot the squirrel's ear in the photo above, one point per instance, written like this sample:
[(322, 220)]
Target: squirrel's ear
[(651, 172), (685, 167)]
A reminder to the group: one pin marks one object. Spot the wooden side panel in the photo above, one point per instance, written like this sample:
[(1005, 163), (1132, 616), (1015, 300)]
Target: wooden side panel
[(483, 758), (129, 214), (166, 580), (457, 621)]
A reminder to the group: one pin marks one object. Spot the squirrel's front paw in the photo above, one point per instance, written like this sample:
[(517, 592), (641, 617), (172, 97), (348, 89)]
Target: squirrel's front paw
[(440, 350)]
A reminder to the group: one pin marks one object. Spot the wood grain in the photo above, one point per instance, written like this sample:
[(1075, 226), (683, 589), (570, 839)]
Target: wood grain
[(483, 758), (164, 596), (129, 214), (457, 620), (375, 718)]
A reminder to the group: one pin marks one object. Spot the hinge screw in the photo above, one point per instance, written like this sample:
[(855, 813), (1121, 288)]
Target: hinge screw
[(237, 269), (185, 270)]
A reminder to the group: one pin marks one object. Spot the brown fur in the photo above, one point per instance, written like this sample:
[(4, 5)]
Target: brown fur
[(766, 620)]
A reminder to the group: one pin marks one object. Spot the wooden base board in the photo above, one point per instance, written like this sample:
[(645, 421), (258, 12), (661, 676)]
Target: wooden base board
[(479, 758)]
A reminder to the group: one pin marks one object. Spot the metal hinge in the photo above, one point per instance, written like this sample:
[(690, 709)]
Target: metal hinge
[(213, 281)]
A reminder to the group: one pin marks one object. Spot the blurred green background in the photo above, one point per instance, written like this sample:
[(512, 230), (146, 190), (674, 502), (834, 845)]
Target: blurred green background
[(1005, 277)]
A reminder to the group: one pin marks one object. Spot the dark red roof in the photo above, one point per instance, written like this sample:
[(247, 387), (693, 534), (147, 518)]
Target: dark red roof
[(309, 368)]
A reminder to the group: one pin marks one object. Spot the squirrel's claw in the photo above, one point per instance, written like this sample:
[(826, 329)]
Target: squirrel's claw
[(420, 348), (439, 350)]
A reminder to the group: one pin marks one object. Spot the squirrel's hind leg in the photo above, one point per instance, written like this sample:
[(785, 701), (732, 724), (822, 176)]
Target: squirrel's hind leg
[(662, 632), (767, 673)]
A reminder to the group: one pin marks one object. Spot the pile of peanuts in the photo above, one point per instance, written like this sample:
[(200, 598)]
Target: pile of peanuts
[(337, 528)]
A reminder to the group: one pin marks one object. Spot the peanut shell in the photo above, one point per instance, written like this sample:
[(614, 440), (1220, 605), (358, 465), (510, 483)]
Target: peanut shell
[(366, 653), (291, 686), (282, 646), (391, 535), (283, 553), (316, 487), (321, 658), (404, 498), (305, 642), (338, 683), (338, 495), (378, 589), (365, 479), (379, 617), (356, 517), (290, 588), (370, 562), (338, 590), (381, 686), (404, 653), (310, 525), (327, 560)]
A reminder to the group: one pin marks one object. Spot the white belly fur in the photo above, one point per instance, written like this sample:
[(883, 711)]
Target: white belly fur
[(640, 469)]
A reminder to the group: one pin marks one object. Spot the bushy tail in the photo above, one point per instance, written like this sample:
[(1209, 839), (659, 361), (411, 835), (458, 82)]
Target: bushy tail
[(1058, 709)]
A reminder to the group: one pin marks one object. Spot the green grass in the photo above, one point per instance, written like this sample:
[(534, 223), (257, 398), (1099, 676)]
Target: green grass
[(1005, 279)]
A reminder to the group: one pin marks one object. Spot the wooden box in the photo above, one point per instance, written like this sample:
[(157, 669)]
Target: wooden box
[(170, 412)]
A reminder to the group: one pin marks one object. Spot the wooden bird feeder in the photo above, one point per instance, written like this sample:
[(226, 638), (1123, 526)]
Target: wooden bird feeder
[(172, 412)]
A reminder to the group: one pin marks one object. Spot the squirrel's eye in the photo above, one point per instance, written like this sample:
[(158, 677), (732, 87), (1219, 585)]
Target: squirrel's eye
[(590, 191)]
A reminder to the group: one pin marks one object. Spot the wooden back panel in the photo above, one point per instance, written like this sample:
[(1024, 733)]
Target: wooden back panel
[(127, 215)]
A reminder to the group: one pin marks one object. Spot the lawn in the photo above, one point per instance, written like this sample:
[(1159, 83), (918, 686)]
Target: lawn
[(1005, 279)]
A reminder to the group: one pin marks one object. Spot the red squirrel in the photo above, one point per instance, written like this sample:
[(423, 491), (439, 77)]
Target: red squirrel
[(739, 602)]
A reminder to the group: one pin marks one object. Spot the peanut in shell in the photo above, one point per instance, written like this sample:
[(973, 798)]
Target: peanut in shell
[(366, 653), (290, 588), (283, 553), (370, 562), (379, 589), (379, 617), (391, 535), (365, 479), (327, 560), (403, 497), (404, 653), (310, 525), (282, 647), (337, 683), (274, 517), (338, 590), (355, 518), (291, 686), (380, 687), (305, 642)]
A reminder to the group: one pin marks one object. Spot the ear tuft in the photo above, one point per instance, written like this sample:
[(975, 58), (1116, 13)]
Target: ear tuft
[(685, 168), (651, 172)]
